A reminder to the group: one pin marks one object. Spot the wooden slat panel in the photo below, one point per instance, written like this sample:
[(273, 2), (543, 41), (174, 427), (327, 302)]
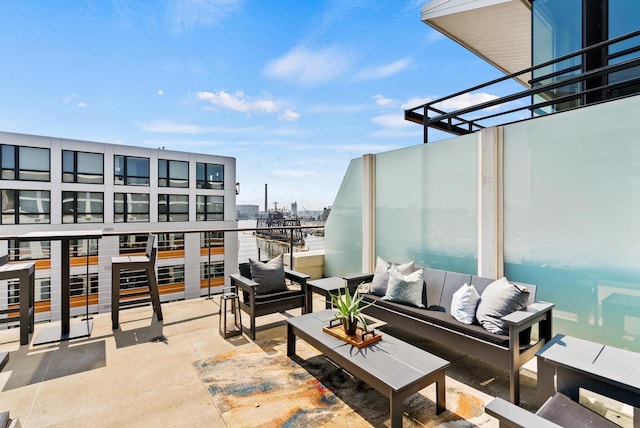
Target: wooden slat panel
[(215, 282), (43, 306), (81, 301), (82, 260), (43, 264), (214, 250), (171, 254), (171, 288)]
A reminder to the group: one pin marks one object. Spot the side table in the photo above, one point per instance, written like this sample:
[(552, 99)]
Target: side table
[(326, 287)]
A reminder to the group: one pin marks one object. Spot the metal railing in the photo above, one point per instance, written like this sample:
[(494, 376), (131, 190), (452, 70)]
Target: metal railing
[(544, 91)]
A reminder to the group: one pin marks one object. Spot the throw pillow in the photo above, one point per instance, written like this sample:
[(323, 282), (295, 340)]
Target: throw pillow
[(500, 298), (405, 289), (381, 275), (269, 276), (464, 304)]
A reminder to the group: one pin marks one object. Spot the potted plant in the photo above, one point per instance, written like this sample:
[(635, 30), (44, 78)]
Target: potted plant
[(347, 309)]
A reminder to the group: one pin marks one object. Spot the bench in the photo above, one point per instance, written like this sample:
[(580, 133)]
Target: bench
[(436, 323)]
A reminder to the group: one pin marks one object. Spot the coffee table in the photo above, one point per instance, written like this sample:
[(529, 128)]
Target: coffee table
[(393, 367)]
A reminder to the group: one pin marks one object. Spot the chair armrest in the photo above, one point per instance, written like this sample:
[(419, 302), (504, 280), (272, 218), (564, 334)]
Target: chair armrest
[(300, 278), (536, 312), (511, 415), (243, 283), (353, 281)]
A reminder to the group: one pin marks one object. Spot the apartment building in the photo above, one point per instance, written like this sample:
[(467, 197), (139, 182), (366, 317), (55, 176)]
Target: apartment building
[(50, 183)]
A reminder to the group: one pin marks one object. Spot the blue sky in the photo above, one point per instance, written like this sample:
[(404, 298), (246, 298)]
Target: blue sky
[(292, 89)]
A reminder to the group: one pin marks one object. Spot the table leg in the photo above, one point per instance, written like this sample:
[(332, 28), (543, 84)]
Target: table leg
[(441, 394), (395, 406), (546, 387), (291, 341)]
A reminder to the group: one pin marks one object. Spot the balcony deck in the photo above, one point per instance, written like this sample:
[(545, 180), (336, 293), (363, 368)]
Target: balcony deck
[(142, 374)]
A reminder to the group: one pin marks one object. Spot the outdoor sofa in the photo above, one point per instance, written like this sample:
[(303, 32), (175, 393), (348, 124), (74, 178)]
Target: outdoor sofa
[(435, 322)]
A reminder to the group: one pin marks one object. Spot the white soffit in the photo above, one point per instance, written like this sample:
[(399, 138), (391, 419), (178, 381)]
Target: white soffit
[(499, 31)]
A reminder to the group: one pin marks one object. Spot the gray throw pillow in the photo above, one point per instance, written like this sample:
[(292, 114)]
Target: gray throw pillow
[(500, 298), (405, 289), (381, 275), (269, 276)]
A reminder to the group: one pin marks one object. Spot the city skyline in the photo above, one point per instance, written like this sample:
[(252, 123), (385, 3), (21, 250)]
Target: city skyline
[(294, 91)]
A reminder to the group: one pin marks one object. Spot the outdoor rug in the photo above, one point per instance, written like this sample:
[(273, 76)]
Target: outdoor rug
[(259, 386)]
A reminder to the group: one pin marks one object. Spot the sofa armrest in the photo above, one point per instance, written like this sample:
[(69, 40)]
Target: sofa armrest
[(536, 312), (353, 281), (510, 415)]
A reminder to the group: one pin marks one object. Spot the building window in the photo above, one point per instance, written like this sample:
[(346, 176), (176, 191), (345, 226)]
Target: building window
[(82, 207), (212, 270), (173, 207), (170, 275), (29, 250), (81, 167), (133, 243), (170, 241), (173, 173), (25, 163), (82, 248), (25, 206), (13, 292), (131, 170), (211, 239), (209, 208), (42, 289), (209, 176), (130, 207), (78, 284)]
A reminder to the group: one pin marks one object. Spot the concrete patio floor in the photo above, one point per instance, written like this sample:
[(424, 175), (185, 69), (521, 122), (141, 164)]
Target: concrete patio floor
[(142, 374)]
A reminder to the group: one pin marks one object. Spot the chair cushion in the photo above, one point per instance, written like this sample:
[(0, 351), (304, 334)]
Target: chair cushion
[(405, 288), (381, 275), (500, 298), (269, 276), (464, 304)]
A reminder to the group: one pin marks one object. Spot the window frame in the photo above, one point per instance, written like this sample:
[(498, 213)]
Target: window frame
[(203, 171), (168, 180), (126, 203), (204, 214), (125, 178), (76, 176), (76, 212), (17, 171), (165, 214)]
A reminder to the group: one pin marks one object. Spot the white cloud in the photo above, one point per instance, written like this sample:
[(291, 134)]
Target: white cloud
[(160, 92), (188, 14), (466, 100), (337, 108), (392, 120), (434, 36), (170, 127), (290, 116), (81, 104), (238, 102), (415, 102), (383, 71), (457, 103), (292, 173), (309, 68), (383, 101)]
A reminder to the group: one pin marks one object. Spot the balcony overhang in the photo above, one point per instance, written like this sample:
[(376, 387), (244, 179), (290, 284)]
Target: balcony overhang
[(499, 31)]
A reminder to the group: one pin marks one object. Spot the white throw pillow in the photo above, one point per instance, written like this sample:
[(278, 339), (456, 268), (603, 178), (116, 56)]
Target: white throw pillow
[(405, 289), (381, 275), (464, 304)]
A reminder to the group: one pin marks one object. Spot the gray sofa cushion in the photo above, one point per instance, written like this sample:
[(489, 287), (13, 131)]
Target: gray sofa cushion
[(269, 276), (500, 298), (381, 275)]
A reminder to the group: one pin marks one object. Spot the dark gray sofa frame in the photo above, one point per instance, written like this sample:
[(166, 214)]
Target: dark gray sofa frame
[(503, 351)]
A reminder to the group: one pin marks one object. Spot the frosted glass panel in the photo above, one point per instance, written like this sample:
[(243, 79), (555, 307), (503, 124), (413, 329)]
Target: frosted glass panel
[(343, 236), (572, 217), (426, 205)]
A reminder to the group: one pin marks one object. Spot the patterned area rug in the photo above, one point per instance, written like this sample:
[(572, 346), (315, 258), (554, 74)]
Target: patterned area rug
[(261, 387)]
